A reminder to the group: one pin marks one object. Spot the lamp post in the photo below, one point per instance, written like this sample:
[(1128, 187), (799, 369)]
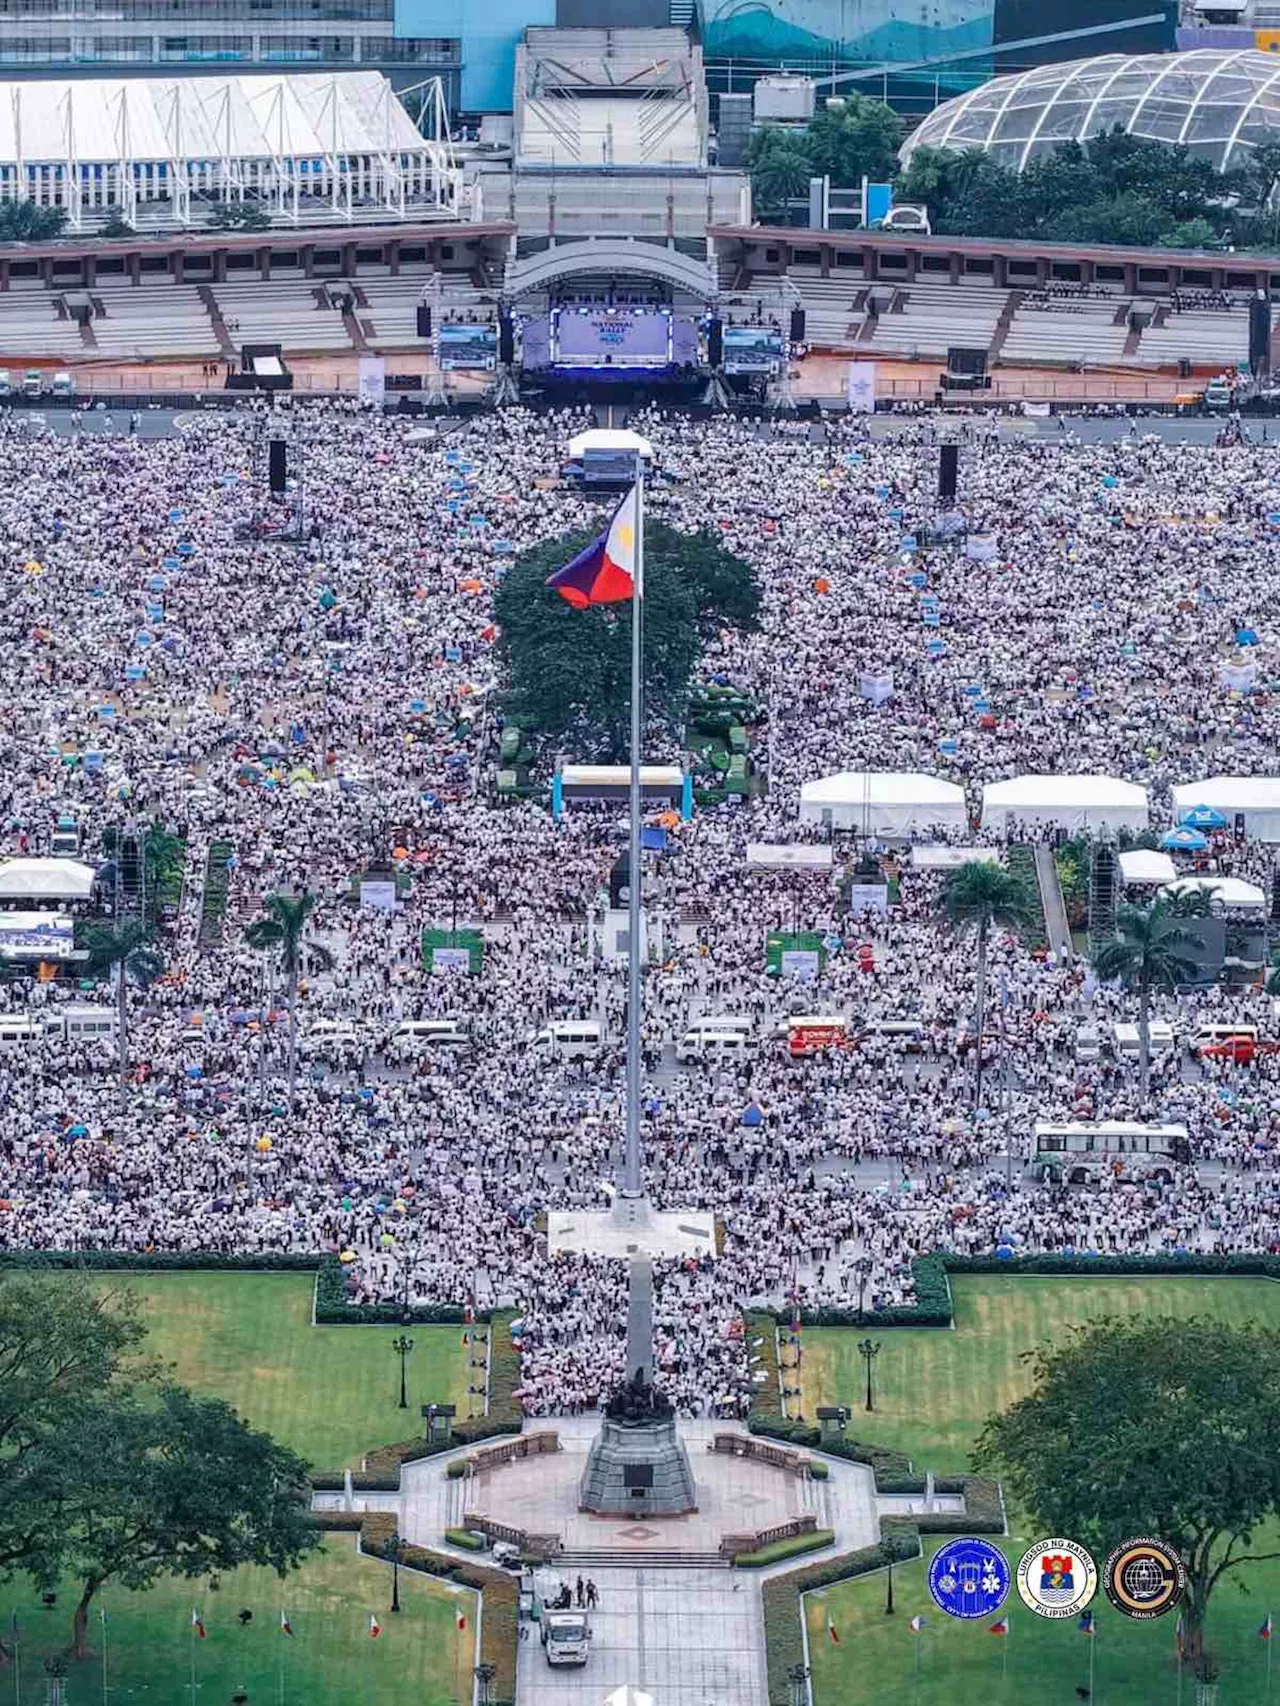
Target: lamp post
[(395, 1546), (484, 1675), (798, 1677), (888, 1597), (868, 1350), (402, 1345)]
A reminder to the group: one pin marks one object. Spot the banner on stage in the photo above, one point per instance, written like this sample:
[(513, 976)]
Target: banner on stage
[(373, 380), (860, 387)]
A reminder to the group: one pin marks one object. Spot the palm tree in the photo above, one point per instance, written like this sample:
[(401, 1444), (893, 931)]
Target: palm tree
[(165, 855), (284, 928), (1150, 950), (129, 952), (1191, 903), (978, 895)]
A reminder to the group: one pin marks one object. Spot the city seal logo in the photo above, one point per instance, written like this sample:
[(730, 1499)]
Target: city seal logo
[(969, 1578), (1057, 1578), (1144, 1578)]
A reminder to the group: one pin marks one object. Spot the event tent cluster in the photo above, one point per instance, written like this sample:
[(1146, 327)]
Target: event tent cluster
[(98, 146), (909, 803)]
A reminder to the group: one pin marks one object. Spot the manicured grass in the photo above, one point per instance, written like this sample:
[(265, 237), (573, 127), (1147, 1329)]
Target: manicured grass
[(420, 1655), (874, 1662), (933, 1390), (331, 1393), (934, 1387)]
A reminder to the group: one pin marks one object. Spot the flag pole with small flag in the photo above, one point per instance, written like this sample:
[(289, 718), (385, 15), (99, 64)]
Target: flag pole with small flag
[(916, 1625), (286, 1628), (15, 1636), (1264, 1634), (459, 1618), (375, 1628), (1088, 1627), (197, 1633), (832, 1632), (102, 1619), (1000, 1628)]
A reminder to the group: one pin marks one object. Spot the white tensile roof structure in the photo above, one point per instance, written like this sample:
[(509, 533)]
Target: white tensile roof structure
[(95, 145), (1144, 867), (1070, 802), (1255, 798), (1222, 891), (45, 879), (884, 802)]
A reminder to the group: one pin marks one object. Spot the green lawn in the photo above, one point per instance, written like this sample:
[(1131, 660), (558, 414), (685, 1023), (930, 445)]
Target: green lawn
[(420, 1655), (1134, 1663), (933, 1390), (331, 1393), (934, 1387)]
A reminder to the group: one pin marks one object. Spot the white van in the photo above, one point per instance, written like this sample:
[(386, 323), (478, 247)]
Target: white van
[(327, 1039), (411, 1036), (1206, 1036), (1159, 1035), (18, 1032), (708, 1042), (908, 1034), (1088, 1044), (78, 1022), (571, 1039)]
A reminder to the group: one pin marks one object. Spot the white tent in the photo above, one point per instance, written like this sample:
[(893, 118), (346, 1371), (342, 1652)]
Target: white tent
[(884, 802), (1066, 802), (938, 858), (1256, 797), (1144, 867), (1224, 891), (607, 439), (45, 879)]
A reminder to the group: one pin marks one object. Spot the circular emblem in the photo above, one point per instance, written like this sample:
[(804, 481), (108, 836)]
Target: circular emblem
[(969, 1578), (1057, 1578), (1144, 1578)]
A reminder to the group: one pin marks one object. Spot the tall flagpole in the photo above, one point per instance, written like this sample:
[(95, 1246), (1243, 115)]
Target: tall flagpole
[(633, 1173), (640, 1301)]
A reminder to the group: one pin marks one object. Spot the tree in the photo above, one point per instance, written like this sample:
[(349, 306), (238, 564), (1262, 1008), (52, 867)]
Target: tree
[(284, 929), (115, 225), (62, 1343), (1150, 1426), (1191, 903), (130, 953), (26, 222), (165, 856), (239, 216), (155, 1483), (570, 670), (1150, 950), (978, 895), (780, 170), (853, 136)]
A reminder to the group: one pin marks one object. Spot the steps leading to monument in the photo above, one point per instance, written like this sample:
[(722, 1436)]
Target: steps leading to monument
[(605, 1558)]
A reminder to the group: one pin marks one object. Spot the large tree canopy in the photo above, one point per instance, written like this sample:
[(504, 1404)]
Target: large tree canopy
[(1154, 1426), (570, 670)]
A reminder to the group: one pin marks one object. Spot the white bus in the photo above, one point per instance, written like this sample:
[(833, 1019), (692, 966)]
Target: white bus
[(1085, 1152)]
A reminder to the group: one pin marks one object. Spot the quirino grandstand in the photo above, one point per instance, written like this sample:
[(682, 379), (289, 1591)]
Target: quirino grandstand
[(603, 238)]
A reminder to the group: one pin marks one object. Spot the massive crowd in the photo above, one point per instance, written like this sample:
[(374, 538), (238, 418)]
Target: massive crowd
[(320, 705)]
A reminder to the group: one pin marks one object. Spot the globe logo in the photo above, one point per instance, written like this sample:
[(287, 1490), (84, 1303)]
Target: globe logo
[(1144, 1578)]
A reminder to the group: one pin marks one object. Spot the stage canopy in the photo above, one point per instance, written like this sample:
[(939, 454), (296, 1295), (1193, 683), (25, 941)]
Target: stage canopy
[(45, 879), (884, 802), (1143, 866), (939, 858), (1225, 891), (1256, 798), (1067, 802)]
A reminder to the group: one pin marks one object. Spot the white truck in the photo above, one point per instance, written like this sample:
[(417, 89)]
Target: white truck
[(566, 1637)]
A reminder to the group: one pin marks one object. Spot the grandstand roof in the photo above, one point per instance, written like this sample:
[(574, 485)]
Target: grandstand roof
[(199, 118), (1217, 102)]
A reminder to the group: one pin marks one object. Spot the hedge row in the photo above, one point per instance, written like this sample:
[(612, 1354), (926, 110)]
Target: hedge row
[(881, 1458), (932, 1307), (780, 1549), (767, 1399), (499, 1629), (784, 1647), (983, 1512)]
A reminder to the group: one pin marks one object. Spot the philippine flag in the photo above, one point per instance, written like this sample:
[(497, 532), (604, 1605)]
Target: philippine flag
[(197, 1622), (999, 1627), (603, 573), (375, 1628), (1265, 1630), (916, 1624)]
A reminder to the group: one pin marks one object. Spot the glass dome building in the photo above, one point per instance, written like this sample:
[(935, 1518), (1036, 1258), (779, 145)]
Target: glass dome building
[(1220, 103)]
